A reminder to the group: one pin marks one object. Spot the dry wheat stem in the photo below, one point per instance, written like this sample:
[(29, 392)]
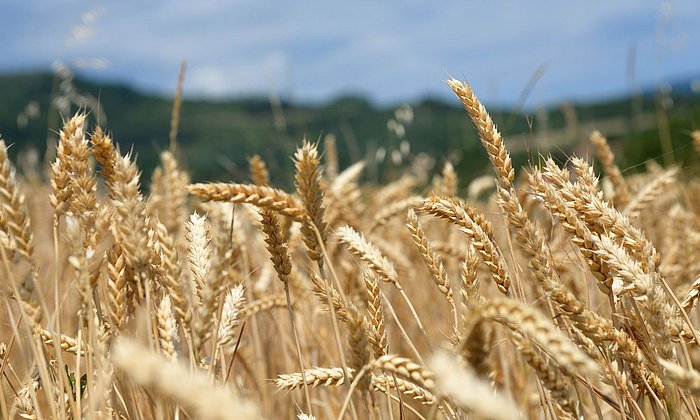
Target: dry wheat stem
[(177, 103)]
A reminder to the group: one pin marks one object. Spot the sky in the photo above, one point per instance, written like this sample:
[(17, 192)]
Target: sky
[(391, 51)]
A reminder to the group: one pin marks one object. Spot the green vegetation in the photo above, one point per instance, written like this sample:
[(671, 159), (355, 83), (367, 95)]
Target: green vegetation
[(216, 137)]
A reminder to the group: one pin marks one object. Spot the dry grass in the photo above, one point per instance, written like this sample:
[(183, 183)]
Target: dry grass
[(550, 299)]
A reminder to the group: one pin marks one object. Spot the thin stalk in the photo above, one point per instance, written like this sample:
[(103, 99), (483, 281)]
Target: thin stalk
[(3, 403), (415, 316), (298, 345), (403, 331), (334, 316)]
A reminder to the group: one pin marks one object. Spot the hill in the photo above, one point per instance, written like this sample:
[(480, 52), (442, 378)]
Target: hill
[(216, 137)]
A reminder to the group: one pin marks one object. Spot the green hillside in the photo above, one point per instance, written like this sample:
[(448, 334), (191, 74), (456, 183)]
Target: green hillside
[(216, 137)]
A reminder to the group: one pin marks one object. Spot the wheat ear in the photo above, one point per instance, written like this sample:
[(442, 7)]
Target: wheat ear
[(431, 259), (368, 252), (685, 378), (334, 377), (607, 158), (377, 333), (17, 223), (71, 135), (308, 184), (277, 243), (263, 304), (208, 285), (167, 328), (171, 211), (475, 227), (579, 233), (469, 392), (549, 375), (130, 220), (650, 192), (190, 389), (252, 194), (520, 317), (171, 275), (490, 137), (230, 316), (105, 153)]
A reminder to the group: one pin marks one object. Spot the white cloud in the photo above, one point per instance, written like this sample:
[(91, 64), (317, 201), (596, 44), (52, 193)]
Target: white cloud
[(392, 49), (236, 78)]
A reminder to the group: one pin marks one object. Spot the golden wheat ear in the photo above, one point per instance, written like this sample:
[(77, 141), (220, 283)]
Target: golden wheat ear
[(621, 191), (308, 184), (259, 196), (192, 389)]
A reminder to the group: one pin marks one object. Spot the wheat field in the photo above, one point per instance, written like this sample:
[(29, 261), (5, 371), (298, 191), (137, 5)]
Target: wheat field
[(550, 294)]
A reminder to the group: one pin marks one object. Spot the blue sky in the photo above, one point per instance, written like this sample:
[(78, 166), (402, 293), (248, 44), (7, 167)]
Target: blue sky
[(391, 50)]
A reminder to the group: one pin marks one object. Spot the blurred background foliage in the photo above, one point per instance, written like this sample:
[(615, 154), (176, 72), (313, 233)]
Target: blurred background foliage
[(217, 137)]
